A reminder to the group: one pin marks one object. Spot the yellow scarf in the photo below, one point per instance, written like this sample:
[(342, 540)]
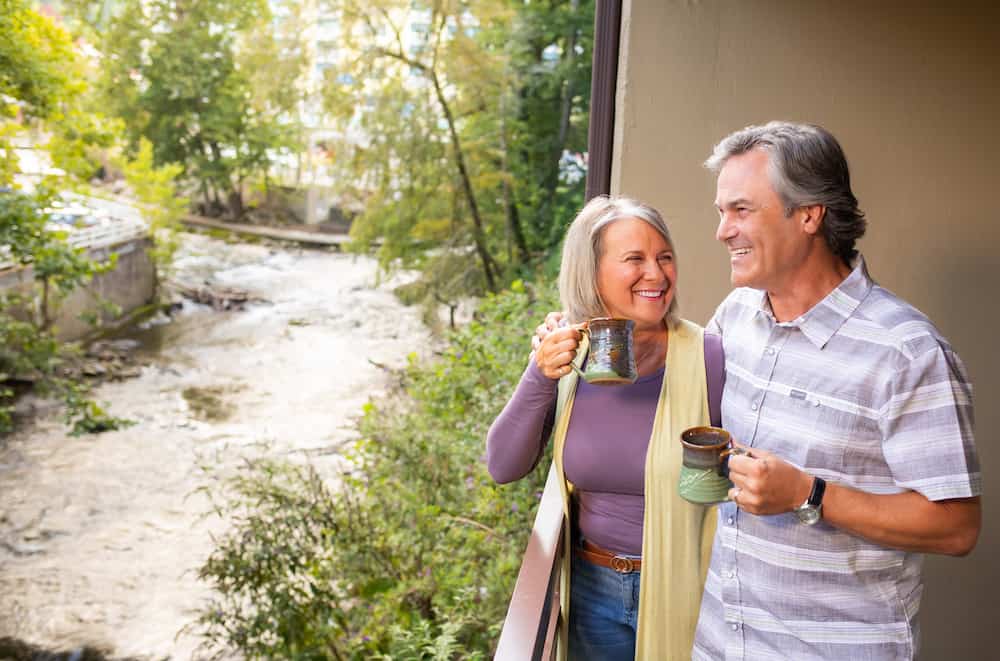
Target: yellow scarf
[(677, 535)]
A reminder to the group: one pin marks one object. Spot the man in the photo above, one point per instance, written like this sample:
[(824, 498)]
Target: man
[(856, 412)]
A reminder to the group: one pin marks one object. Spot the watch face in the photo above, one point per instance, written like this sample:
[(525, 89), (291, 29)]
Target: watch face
[(808, 515)]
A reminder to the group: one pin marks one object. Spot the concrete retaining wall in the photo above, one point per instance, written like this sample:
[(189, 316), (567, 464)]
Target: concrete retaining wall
[(130, 285)]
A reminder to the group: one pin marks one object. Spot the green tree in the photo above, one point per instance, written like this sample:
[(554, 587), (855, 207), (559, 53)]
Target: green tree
[(39, 86), (463, 112), (36, 59), (155, 188), (552, 57), (190, 77), (427, 82), (36, 74), (47, 81)]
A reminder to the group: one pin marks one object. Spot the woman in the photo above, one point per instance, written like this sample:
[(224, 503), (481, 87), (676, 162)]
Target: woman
[(615, 447)]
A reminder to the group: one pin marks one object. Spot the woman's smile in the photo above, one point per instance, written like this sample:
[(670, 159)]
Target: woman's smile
[(651, 294)]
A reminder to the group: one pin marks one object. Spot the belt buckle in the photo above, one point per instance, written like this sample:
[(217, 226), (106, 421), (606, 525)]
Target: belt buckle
[(622, 565)]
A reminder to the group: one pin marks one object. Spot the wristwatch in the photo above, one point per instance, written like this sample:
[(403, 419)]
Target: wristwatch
[(811, 511)]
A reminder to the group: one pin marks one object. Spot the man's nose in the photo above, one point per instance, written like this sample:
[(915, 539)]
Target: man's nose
[(726, 229)]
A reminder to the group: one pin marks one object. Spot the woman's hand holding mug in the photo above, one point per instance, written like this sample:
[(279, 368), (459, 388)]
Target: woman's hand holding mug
[(557, 349)]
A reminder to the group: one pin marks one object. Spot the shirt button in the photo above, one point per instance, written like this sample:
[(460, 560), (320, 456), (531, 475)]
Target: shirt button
[(731, 520), (753, 406), (769, 351), (730, 574), (734, 626)]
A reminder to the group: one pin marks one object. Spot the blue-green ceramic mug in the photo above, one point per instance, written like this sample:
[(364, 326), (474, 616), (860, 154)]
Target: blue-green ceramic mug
[(704, 477)]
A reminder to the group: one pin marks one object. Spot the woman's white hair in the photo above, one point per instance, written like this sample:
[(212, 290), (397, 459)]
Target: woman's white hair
[(582, 250)]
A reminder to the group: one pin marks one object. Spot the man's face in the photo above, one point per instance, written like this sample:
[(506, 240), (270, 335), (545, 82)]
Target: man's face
[(765, 246)]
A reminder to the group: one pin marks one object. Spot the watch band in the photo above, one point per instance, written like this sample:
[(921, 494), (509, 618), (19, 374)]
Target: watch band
[(816, 495)]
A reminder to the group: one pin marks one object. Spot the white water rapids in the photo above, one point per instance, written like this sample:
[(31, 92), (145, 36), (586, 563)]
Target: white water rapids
[(102, 535)]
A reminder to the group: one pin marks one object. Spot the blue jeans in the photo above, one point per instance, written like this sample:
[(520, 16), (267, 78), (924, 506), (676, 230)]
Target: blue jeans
[(603, 613)]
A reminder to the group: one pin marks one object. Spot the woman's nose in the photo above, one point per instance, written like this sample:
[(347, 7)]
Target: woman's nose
[(651, 269)]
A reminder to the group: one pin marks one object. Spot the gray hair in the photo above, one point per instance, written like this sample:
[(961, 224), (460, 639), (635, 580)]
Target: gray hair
[(582, 249), (807, 167)]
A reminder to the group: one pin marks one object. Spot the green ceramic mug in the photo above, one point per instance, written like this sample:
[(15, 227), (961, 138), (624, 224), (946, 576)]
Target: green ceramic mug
[(610, 355), (704, 477)]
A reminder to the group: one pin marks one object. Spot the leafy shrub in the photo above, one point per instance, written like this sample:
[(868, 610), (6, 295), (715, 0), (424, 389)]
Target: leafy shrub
[(415, 554)]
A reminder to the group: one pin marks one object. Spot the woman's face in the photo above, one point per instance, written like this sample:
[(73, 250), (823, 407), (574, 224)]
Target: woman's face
[(636, 273)]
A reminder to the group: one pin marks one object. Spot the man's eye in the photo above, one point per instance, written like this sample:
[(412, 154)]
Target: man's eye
[(666, 258), (633, 258)]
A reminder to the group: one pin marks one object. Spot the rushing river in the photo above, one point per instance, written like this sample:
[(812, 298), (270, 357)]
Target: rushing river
[(101, 536)]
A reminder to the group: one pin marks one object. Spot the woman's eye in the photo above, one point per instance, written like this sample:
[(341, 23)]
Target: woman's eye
[(666, 258), (633, 258)]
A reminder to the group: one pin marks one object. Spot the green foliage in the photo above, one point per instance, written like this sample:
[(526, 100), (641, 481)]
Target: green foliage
[(466, 125), (80, 139), (41, 73), (34, 54), (84, 415), (37, 67), (156, 189), (414, 554), (552, 112), (191, 78)]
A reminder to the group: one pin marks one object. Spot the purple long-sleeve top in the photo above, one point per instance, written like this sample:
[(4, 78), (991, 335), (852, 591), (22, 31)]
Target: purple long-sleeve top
[(604, 456)]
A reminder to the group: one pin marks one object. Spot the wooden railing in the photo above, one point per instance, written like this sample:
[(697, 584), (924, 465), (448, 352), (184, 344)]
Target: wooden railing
[(532, 624)]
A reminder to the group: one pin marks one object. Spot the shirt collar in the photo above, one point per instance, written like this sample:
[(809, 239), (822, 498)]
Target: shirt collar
[(824, 319)]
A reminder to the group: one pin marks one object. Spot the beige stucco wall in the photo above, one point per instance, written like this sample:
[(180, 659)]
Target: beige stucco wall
[(913, 93)]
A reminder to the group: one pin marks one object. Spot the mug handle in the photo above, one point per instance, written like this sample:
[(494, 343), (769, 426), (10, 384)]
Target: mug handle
[(584, 330), (724, 459)]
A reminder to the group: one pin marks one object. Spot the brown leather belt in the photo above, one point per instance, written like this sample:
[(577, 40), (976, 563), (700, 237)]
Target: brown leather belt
[(598, 556)]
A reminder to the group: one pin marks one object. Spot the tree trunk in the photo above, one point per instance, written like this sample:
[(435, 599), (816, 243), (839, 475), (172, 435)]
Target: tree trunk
[(490, 268), (44, 321), (235, 203), (515, 233), (203, 205)]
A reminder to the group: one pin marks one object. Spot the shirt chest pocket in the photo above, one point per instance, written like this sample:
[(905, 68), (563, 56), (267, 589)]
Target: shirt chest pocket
[(812, 430)]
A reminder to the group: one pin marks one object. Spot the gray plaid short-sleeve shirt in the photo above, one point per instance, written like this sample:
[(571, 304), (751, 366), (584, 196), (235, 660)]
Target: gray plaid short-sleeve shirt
[(863, 391)]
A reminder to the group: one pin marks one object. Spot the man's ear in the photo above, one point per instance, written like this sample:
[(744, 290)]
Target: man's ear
[(812, 218)]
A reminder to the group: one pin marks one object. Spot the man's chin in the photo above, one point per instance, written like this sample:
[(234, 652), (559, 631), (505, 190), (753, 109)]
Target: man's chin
[(742, 278)]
